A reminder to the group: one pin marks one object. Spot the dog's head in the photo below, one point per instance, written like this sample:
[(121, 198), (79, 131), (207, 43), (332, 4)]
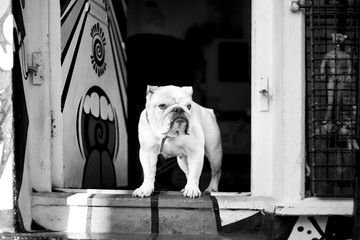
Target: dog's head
[(169, 110)]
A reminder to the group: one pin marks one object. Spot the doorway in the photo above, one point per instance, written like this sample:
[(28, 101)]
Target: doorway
[(204, 44)]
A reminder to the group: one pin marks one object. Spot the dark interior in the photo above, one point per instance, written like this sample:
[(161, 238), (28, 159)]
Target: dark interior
[(162, 50)]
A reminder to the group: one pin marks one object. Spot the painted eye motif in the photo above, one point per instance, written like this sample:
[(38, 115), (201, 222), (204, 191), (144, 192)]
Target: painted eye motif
[(188, 106), (162, 106)]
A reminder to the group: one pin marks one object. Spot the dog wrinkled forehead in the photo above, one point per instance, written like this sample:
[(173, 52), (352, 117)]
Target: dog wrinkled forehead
[(169, 91)]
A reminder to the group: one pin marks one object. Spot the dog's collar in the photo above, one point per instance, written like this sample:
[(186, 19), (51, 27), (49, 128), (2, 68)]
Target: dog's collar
[(162, 140), (162, 144), (160, 156)]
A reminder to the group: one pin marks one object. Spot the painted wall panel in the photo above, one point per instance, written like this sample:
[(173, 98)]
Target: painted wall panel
[(93, 101)]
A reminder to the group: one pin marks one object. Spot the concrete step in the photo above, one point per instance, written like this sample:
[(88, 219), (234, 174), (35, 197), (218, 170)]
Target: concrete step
[(117, 212), (105, 212)]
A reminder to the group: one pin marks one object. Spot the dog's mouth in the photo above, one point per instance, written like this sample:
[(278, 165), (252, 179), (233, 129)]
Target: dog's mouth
[(179, 124)]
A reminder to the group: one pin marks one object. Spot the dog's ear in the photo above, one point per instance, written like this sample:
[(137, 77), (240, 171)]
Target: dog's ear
[(149, 92), (151, 89), (189, 90)]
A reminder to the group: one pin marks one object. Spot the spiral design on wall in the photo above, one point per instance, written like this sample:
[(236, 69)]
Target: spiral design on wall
[(98, 49), (101, 133)]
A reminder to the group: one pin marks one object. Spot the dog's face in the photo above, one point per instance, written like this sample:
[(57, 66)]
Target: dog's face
[(169, 110)]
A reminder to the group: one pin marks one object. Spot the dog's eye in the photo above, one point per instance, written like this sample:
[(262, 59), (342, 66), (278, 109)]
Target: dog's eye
[(162, 106), (188, 106)]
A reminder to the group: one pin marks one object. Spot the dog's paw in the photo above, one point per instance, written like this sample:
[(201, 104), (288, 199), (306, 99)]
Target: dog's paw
[(191, 191), (143, 191)]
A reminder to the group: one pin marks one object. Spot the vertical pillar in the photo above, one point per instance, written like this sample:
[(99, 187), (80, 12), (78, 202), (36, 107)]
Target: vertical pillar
[(8, 190), (266, 107), (294, 104)]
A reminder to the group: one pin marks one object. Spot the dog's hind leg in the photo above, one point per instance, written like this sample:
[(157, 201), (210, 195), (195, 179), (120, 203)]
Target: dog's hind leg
[(215, 159)]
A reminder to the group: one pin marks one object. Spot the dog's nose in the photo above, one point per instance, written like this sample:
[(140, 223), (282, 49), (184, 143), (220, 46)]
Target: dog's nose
[(178, 110)]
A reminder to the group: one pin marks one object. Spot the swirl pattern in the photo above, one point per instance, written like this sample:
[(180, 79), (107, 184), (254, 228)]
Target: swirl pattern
[(98, 49)]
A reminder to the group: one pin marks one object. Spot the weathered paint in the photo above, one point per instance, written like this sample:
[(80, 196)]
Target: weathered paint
[(9, 192), (32, 105)]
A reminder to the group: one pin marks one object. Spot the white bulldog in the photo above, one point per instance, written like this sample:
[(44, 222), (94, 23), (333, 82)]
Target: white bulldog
[(173, 125)]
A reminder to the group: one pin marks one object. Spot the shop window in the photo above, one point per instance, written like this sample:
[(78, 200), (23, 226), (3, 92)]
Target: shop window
[(332, 88)]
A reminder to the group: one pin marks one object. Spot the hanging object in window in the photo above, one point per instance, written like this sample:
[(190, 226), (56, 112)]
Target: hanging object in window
[(336, 70)]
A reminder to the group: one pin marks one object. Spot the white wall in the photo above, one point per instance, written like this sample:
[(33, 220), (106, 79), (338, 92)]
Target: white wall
[(278, 134)]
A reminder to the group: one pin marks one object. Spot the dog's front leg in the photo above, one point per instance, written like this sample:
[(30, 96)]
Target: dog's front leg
[(148, 160), (195, 164)]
